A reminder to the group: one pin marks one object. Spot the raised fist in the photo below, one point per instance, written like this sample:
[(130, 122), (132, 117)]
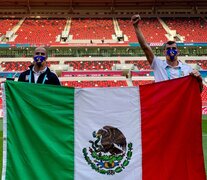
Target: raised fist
[(135, 19)]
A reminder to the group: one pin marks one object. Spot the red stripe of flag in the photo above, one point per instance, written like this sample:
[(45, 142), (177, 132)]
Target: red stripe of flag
[(171, 130)]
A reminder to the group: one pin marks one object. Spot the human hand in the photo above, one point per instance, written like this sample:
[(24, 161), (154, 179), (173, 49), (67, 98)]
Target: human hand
[(135, 19), (197, 75)]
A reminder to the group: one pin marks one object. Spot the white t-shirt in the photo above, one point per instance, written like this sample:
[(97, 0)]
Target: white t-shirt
[(163, 71)]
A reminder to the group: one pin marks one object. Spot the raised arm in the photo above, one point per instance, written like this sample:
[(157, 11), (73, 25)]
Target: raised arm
[(145, 47)]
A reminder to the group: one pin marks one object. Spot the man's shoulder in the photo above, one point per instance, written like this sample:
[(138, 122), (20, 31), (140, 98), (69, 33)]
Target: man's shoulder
[(53, 78), (158, 61), (184, 65), (25, 72), (49, 72)]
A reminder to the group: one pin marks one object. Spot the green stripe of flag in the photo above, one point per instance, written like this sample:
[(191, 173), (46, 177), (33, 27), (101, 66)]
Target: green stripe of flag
[(43, 122)]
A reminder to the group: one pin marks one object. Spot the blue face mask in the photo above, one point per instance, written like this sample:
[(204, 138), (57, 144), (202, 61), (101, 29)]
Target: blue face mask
[(172, 53), (39, 59)]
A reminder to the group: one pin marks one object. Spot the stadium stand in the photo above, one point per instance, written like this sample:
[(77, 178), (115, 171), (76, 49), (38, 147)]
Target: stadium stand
[(87, 84), (91, 73), (7, 25), (204, 94), (91, 65), (92, 29), (201, 63), (44, 31), (193, 29), (151, 27), (141, 65), (15, 66), (20, 65), (40, 31), (141, 82)]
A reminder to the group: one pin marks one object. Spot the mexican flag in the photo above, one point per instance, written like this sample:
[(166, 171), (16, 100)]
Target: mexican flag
[(150, 132)]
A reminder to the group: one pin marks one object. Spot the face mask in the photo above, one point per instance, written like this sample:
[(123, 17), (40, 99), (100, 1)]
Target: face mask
[(39, 60), (172, 53)]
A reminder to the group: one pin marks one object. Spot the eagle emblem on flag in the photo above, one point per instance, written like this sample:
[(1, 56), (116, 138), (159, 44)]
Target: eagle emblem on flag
[(109, 152)]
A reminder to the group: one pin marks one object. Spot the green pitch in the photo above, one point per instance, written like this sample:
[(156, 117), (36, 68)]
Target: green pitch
[(204, 126)]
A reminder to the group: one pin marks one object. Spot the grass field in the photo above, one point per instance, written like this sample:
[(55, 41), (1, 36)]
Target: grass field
[(204, 127)]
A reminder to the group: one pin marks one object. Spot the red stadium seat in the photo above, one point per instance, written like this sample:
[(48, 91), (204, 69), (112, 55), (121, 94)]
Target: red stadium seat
[(151, 28), (194, 29), (87, 84), (91, 65), (42, 31), (92, 28)]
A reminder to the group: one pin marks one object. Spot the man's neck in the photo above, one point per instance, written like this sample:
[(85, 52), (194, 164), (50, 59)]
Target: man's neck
[(172, 63), (38, 69)]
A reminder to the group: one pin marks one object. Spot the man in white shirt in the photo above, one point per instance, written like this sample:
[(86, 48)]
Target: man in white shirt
[(164, 70)]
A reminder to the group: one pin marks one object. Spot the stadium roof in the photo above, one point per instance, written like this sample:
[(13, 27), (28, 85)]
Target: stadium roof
[(29, 6), (103, 3)]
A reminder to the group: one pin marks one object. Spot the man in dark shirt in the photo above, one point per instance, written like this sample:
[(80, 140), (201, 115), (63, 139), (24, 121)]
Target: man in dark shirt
[(38, 72)]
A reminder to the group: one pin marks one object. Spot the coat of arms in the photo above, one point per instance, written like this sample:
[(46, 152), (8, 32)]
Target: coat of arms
[(109, 152)]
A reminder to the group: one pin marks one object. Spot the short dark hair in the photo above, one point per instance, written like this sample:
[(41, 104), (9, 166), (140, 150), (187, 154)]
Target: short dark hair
[(169, 43)]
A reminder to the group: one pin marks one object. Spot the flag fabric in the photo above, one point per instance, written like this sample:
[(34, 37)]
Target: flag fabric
[(150, 132)]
